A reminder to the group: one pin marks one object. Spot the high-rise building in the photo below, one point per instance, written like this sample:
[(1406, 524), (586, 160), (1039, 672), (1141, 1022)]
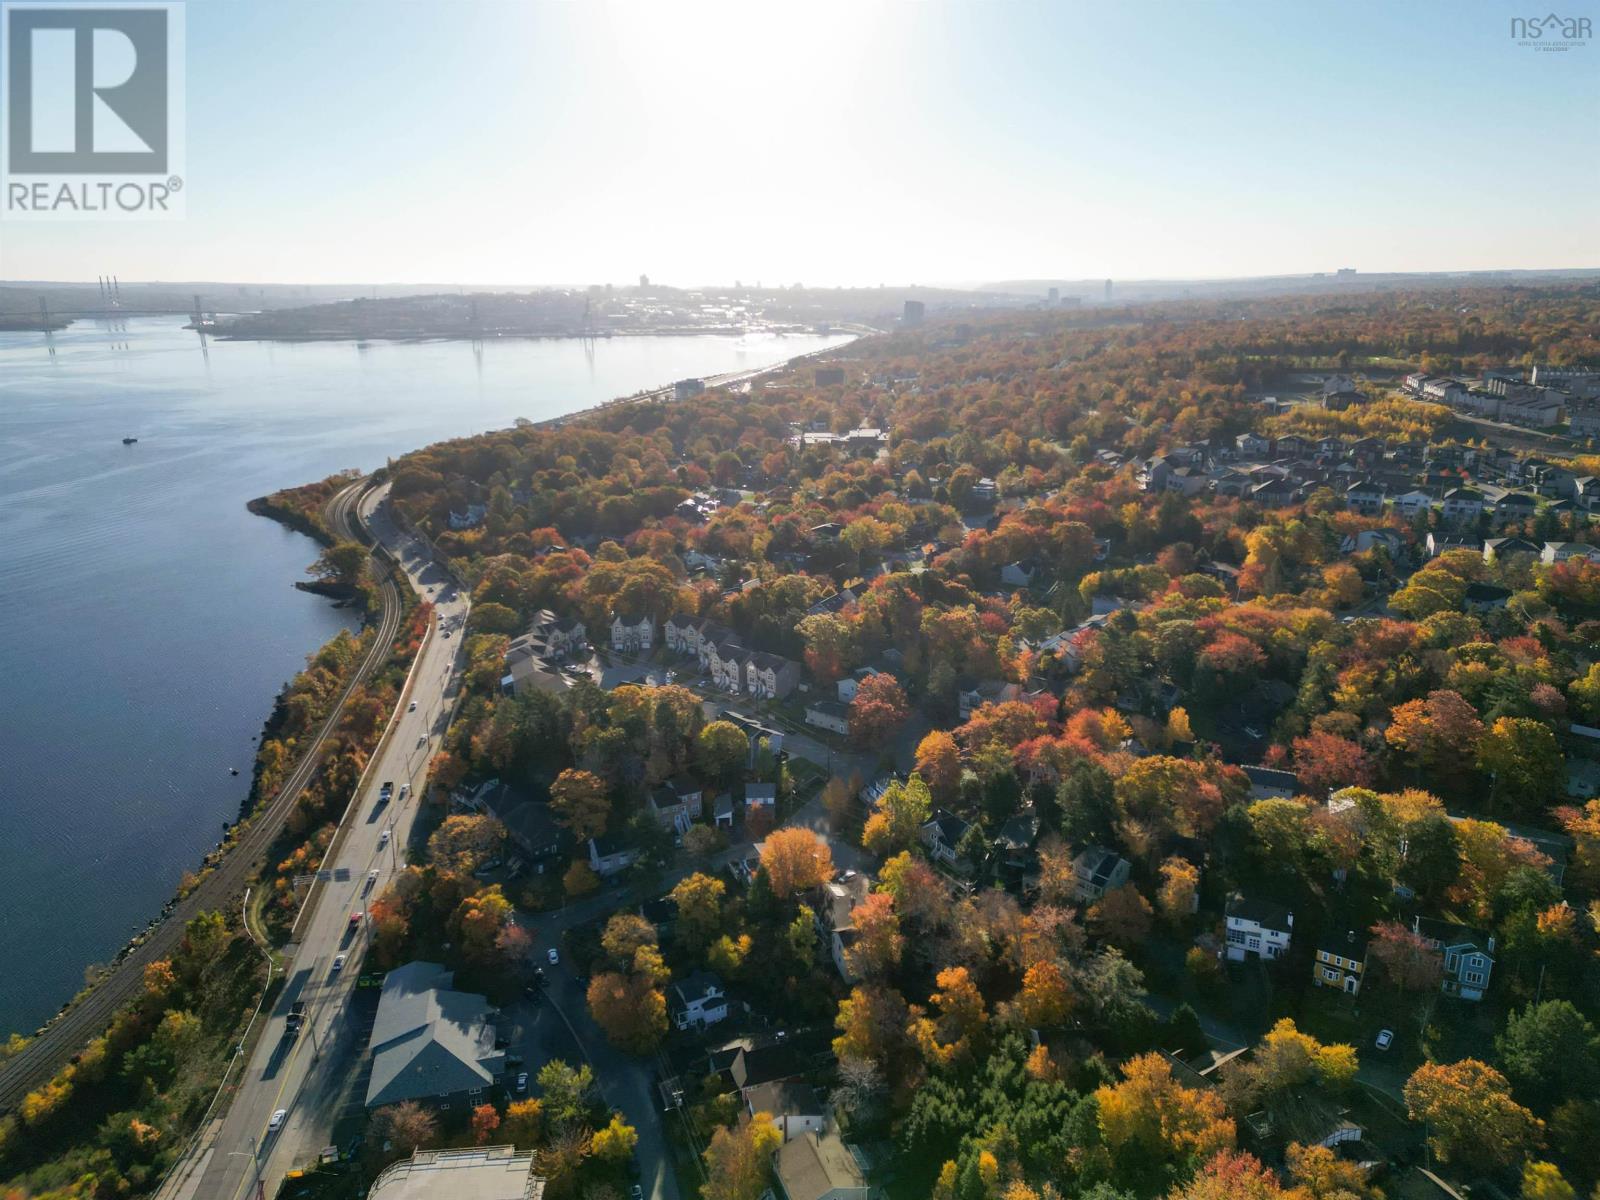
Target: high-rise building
[(1108, 291), (914, 312), (644, 281), (1055, 295)]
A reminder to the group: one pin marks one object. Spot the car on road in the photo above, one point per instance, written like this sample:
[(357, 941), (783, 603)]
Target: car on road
[(277, 1120), (372, 880), (383, 839), (412, 707), (423, 740), (553, 956), (405, 790), (338, 964), (522, 1082), (636, 1192), (1385, 1039)]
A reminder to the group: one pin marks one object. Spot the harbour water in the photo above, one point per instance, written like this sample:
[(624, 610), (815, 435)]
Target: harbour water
[(147, 620)]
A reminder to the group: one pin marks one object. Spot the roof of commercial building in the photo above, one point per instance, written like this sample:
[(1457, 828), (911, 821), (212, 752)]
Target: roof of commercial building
[(480, 1173), (428, 1040)]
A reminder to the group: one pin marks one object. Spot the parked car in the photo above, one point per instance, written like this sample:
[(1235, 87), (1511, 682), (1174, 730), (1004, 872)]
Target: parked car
[(553, 956), (1385, 1039), (522, 1081)]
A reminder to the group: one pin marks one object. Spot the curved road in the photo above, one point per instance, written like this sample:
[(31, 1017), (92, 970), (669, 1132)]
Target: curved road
[(86, 1019)]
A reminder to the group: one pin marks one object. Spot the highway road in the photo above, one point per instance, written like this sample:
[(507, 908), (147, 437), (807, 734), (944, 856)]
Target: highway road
[(305, 1075)]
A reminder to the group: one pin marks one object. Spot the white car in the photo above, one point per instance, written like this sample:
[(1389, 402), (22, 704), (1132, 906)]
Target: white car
[(553, 956), (522, 1081), (372, 880), (338, 964), (383, 839), (277, 1120), (412, 707), (1385, 1039)]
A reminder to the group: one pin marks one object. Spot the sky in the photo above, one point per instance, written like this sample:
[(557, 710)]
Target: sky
[(519, 142)]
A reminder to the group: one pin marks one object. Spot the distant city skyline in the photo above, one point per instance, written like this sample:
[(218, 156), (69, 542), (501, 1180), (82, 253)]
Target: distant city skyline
[(503, 144)]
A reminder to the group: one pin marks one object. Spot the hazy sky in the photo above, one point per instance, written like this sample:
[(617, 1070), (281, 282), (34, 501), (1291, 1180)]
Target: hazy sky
[(509, 142)]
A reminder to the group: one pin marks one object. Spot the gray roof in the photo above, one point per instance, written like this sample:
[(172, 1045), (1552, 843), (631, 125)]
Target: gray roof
[(428, 1040)]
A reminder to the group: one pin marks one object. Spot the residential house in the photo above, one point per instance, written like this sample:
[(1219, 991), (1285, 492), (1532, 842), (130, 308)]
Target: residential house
[(1514, 506), (698, 1000), (1556, 552), (1409, 504), (1252, 445), (1496, 548), (530, 826), (632, 633), (1273, 493), (1020, 573), (817, 1166), (770, 676), (1463, 504), (942, 835), (1484, 597), (681, 632), (1341, 962), (1096, 871), (796, 1108), (1268, 783), (722, 811), (1437, 543), (829, 715), (1257, 927), (607, 856), (990, 691), (1468, 956), (430, 1043), (833, 906), (1186, 481), (745, 1063), (677, 803), (1364, 496), (1292, 445), (760, 795), (846, 688), (1368, 539)]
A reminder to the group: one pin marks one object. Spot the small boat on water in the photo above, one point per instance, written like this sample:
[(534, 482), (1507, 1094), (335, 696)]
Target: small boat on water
[(129, 441)]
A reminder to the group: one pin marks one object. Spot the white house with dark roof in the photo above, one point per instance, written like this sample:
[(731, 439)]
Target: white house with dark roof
[(1270, 783), (829, 715), (795, 1107), (942, 834), (430, 1043), (770, 676), (1257, 927), (698, 1000)]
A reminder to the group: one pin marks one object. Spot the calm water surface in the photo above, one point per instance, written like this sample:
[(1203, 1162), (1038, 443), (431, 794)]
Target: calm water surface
[(147, 620)]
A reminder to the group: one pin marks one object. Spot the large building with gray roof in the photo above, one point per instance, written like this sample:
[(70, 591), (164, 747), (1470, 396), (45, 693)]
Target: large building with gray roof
[(431, 1043)]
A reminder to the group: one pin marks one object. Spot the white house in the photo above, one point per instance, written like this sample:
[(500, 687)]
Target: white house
[(795, 1107), (1409, 504), (1257, 927), (1556, 552), (846, 688), (607, 856), (942, 834), (829, 715), (632, 634), (698, 1000), (1366, 539), (1462, 504)]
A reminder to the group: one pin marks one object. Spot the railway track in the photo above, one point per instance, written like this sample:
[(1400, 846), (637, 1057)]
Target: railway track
[(65, 1036)]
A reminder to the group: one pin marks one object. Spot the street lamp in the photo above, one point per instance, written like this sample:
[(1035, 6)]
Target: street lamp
[(255, 1163)]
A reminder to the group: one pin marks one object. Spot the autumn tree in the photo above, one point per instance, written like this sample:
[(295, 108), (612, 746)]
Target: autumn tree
[(1179, 895), (903, 809), (1408, 962), (1150, 1118), (524, 1120), (614, 1143), (1045, 998), (1325, 761), (878, 710), (630, 1009), (939, 764), (485, 1120), (878, 944), (1121, 916), (1544, 1181), (1325, 1175), (872, 1025), (406, 1125), (579, 880), (961, 1019), (1233, 1175), (795, 859), (1526, 762), (566, 1091), (723, 750), (1473, 1122), (699, 905), (580, 803), (1440, 733), (739, 1159)]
